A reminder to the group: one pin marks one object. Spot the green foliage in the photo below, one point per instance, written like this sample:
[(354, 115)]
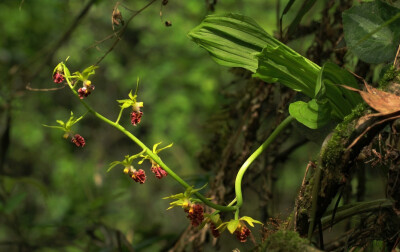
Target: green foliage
[(82, 197), (372, 31), (73, 195), (232, 40), (313, 114), (283, 65), (304, 9), (278, 63)]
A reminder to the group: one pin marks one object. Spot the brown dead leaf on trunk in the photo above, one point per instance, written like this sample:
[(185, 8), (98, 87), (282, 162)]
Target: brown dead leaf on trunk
[(387, 104), (383, 102)]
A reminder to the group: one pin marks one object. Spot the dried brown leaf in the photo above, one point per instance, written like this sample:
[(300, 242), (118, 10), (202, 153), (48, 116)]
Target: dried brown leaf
[(387, 104), (383, 102)]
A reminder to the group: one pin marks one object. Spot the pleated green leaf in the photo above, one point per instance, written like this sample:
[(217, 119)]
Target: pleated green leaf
[(314, 114), (232, 40), (279, 64)]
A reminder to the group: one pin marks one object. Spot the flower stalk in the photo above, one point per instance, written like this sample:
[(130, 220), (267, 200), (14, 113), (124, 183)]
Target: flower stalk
[(249, 161), (149, 152)]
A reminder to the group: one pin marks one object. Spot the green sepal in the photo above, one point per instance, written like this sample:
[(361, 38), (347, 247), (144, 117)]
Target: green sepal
[(63, 68), (184, 198), (215, 218), (126, 162), (175, 196), (66, 127), (53, 127), (72, 120), (211, 218), (113, 164), (126, 103), (157, 144), (89, 71), (131, 96), (155, 151), (85, 73), (131, 102), (60, 122), (250, 220), (232, 225)]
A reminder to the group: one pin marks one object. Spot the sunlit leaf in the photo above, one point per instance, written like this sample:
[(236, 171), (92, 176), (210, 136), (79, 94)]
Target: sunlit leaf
[(232, 40), (278, 64)]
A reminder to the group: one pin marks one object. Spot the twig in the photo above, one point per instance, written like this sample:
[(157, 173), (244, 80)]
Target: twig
[(64, 38), (123, 31), (42, 89), (397, 54), (101, 41)]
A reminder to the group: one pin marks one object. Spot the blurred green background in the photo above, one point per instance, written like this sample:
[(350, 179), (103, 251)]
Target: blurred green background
[(57, 197)]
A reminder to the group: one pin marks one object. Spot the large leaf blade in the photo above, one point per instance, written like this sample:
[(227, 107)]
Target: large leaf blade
[(232, 40), (372, 31), (277, 64)]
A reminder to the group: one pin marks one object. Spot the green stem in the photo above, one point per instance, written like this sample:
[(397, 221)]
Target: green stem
[(350, 210), (247, 163), (237, 214), (314, 205), (153, 156), (119, 115)]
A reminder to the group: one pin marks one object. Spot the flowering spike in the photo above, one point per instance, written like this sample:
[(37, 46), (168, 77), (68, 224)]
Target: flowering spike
[(78, 140)]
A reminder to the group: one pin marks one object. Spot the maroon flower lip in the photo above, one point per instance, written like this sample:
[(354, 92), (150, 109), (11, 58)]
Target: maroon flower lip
[(159, 172), (242, 232), (78, 140), (58, 77), (136, 116), (139, 176), (214, 230), (195, 214), (86, 89)]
